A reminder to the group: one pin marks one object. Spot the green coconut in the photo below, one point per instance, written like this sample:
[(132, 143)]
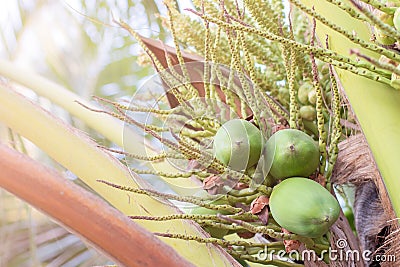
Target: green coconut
[(308, 113), (238, 144), (290, 153), (312, 97), (283, 95), (304, 207), (303, 91)]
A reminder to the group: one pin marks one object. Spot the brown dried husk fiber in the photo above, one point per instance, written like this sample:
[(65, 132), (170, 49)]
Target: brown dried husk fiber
[(356, 166)]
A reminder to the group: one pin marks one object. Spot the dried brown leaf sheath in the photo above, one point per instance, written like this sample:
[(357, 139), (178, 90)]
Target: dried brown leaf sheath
[(162, 50)]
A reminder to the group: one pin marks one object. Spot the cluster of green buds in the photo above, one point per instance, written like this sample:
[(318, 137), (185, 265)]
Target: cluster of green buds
[(307, 96)]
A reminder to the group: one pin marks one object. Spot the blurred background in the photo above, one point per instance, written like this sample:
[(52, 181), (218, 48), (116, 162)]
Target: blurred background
[(76, 44)]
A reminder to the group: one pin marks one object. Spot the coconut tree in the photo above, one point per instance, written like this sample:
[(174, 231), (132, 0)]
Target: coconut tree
[(276, 68)]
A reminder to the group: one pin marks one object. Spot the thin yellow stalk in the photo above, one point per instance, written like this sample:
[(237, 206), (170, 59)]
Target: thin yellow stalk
[(80, 154)]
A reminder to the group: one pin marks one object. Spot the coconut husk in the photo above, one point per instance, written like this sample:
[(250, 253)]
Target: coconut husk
[(375, 219)]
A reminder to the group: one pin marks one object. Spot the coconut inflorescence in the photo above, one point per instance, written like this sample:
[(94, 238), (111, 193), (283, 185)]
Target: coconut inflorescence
[(297, 89)]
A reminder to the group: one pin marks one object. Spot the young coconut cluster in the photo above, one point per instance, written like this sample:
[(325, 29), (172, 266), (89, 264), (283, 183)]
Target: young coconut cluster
[(287, 207), (307, 95), (298, 204)]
